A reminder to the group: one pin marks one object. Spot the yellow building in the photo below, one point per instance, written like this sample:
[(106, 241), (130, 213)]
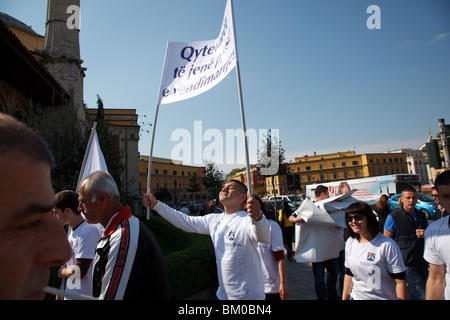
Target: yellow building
[(258, 182), (29, 38), (171, 175), (334, 167)]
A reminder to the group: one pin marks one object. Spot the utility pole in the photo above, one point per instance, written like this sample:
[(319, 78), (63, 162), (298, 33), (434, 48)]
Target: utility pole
[(442, 133)]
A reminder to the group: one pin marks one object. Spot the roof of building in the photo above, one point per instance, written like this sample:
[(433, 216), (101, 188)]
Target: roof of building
[(13, 22)]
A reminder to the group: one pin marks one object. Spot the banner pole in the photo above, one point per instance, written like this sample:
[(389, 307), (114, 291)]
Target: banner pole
[(150, 158), (249, 177), (241, 103)]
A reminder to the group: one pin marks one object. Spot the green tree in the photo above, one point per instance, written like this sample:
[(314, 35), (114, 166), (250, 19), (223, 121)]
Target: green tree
[(65, 136), (213, 179), (234, 171), (163, 194), (193, 185), (111, 153), (271, 161), (272, 157)]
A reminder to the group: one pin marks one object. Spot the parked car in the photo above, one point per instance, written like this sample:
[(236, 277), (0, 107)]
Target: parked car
[(425, 204), (270, 206)]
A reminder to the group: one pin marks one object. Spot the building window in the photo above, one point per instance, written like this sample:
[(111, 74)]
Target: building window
[(174, 172), (344, 164), (164, 171), (156, 171)]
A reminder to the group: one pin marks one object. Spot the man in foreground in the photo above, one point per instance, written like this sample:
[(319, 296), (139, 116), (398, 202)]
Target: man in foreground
[(437, 246), (31, 239)]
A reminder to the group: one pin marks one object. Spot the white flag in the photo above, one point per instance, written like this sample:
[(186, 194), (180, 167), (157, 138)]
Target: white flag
[(95, 160), (192, 68)]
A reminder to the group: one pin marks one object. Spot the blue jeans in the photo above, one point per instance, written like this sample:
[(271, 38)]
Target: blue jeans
[(416, 280), (327, 290)]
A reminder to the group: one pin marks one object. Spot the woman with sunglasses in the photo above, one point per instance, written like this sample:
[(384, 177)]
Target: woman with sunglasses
[(374, 267)]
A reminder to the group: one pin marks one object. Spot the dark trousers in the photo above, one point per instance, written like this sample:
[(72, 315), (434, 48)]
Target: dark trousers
[(326, 290)]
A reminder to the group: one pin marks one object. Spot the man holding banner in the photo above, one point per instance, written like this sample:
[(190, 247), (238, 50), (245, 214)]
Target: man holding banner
[(235, 235), (191, 68)]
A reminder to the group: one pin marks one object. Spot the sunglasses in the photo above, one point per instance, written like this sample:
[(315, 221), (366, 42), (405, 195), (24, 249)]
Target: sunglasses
[(357, 217)]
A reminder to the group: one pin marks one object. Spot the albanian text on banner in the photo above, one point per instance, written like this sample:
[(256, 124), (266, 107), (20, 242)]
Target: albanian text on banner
[(191, 68)]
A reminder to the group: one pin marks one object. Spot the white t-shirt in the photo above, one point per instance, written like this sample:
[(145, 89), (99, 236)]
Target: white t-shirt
[(235, 238), (83, 240), (437, 248), (271, 274), (371, 264)]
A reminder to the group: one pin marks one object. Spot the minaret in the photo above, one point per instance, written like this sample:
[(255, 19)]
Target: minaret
[(62, 48)]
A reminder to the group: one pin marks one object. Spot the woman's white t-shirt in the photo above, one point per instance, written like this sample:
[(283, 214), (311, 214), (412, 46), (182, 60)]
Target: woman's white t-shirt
[(371, 264)]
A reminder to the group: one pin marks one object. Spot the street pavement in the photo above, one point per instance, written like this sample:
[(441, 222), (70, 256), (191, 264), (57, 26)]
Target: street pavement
[(300, 281)]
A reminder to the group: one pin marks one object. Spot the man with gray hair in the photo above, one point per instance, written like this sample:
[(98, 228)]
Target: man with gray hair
[(128, 263)]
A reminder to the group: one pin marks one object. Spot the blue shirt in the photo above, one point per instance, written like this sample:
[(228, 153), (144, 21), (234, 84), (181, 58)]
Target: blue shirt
[(389, 224)]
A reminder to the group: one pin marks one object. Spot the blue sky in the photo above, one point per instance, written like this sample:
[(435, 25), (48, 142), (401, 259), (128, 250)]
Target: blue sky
[(310, 68)]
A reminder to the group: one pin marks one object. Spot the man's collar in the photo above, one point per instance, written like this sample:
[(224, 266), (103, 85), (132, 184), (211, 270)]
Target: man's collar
[(123, 214)]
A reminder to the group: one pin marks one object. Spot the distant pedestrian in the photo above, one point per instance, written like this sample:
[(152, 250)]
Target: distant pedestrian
[(324, 289), (382, 209), (273, 261), (373, 262), (287, 228), (440, 211), (406, 226), (83, 239)]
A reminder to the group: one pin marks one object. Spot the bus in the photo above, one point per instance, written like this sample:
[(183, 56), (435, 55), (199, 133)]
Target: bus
[(369, 188)]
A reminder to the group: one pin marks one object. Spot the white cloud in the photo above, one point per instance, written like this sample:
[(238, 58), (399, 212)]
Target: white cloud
[(439, 37)]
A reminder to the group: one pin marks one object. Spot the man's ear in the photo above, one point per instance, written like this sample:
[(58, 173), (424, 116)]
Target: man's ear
[(102, 197)]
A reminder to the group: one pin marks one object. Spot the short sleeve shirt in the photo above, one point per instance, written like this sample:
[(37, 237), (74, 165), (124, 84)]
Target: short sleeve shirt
[(371, 264)]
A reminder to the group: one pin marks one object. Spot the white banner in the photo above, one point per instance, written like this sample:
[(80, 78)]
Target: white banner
[(319, 238), (191, 68), (95, 160)]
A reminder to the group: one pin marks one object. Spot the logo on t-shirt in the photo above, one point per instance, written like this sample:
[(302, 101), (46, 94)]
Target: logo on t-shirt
[(231, 236), (370, 256)]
